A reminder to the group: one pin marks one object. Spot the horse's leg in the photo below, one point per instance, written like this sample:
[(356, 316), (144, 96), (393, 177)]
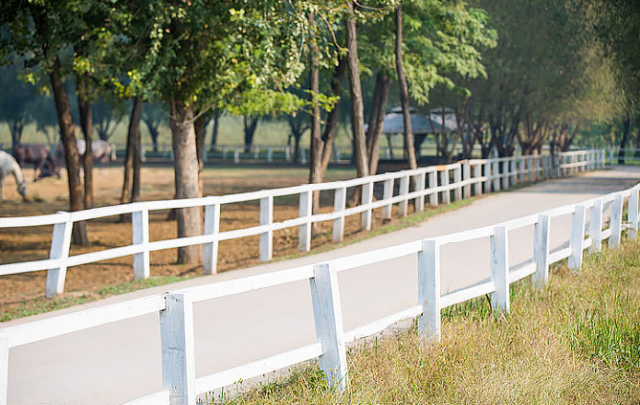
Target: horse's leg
[(1, 189)]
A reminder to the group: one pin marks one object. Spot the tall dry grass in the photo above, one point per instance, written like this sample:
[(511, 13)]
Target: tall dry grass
[(577, 342)]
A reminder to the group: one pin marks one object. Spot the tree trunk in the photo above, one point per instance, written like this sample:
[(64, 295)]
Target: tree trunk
[(200, 129), (355, 91), (330, 129), (132, 153), (376, 119), (404, 94), (65, 121), (315, 155), (16, 127), (86, 122), (626, 125), (250, 126), (153, 132), (216, 128), (186, 177)]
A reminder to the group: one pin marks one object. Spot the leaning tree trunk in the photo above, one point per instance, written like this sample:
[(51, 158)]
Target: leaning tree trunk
[(186, 177), (216, 129), (404, 94), (65, 121), (376, 120), (200, 129), (86, 122), (132, 153), (331, 127), (355, 91), (315, 157)]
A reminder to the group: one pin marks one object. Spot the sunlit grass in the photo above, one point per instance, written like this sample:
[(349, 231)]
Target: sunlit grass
[(576, 342)]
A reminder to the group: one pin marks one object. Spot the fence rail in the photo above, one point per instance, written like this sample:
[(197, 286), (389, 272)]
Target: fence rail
[(177, 318), (433, 185)]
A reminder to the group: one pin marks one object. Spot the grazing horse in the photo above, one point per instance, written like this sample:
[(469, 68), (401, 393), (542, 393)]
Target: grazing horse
[(100, 150), (41, 158), (8, 165)]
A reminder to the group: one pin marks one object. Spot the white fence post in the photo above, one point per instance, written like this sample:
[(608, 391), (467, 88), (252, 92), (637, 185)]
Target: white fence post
[(266, 238), (616, 221), (466, 176), (211, 227), (140, 236), (419, 201), (177, 342), (404, 190), (433, 183), (457, 180), (632, 214), (500, 269), (303, 156), (520, 165), (287, 153), (611, 156), (236, 156), (304, 232), (487, 173), (444, 181), (496, 175), (387, 194), (595, 226), (542, 232), (578, 219), (327, 314), (339, 204), (367, 199), (429, 290), (269, 154), (256, 153), (4, 370), (530, 168), (60, 243)]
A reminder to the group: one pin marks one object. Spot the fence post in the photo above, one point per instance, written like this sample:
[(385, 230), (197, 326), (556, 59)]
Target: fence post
[(60, 242), (466, 176), (444, 181), (595, 226), (287, 153), (616, 221), (236, 156), (486, 167), (367, 199), (457, 180), (429, 290), (256, 153), (266, 238), (632, 214), (211, 227), (477, 173), (611, 156), (4, 370), (387, 194), (496, 175), (433, 184), (327, 315), (269, 154), (578, 219), (530, 168), (500, 269), (513, 169), (304, 232), (542, 232), (404, 190), (303, 156), (520, 166), (140, 236), (177, 342), (339, 204), (419, 201)]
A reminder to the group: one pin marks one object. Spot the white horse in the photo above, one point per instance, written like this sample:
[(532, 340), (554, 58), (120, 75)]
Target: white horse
[(8, 165)]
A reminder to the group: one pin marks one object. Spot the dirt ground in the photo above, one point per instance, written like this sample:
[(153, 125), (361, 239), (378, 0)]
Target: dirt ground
[(18, 291)]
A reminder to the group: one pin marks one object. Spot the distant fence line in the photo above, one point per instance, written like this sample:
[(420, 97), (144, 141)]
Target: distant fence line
[(434, 184), (180, 385)]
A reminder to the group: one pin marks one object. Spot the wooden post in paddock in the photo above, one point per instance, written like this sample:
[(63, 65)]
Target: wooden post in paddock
[(339, 204), (500, 269), (211, 227), (429, 290), (266, 238), (541, 239), (140, 236)]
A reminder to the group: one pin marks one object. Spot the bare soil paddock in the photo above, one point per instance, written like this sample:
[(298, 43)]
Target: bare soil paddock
[(20, 292)]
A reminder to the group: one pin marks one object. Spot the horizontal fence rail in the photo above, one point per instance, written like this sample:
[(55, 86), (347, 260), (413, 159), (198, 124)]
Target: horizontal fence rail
[(428, 185), (177, 317)]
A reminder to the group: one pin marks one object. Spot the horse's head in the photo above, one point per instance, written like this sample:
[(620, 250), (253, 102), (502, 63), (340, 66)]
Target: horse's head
[(22, 188)]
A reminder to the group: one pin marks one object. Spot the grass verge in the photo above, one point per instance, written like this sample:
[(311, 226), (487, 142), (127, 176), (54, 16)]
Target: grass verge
[(576, 342)]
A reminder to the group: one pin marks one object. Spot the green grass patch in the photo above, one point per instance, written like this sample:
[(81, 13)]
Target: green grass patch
[(576, 342)]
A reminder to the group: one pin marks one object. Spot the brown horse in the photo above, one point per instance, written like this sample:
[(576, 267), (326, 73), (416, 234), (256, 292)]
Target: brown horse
[(39, 155)]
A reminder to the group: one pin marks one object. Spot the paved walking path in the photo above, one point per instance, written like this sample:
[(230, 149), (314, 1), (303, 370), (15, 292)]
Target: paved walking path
[(119, 362)]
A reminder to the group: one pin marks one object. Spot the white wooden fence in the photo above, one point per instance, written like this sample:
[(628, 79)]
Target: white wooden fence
[(434, 184), (180, 385)]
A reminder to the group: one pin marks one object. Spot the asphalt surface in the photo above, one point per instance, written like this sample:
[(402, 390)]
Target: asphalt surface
[(119, 362)]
